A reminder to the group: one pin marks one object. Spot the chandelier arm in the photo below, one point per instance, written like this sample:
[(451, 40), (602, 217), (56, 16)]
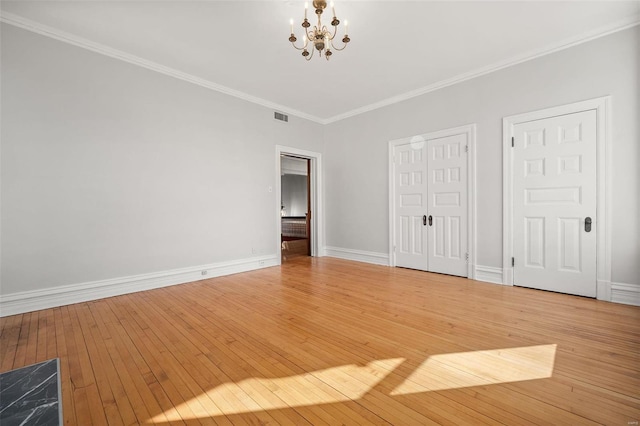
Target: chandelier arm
[(308, 58), (338, 49), (296, 47), (335, 30), (309, 36)]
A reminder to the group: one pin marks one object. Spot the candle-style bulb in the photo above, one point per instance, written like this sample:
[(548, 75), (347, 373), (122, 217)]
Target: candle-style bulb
[(346, 27), (291, 24)]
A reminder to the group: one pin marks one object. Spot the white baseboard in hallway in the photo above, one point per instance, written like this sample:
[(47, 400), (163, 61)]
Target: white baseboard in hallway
[(629, 294), (358, 255), (488, 274)]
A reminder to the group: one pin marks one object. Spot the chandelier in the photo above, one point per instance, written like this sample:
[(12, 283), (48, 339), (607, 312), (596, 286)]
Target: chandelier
[(320, 37)]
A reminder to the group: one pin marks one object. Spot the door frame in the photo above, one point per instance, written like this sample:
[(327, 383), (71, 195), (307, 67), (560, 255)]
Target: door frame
[(602, 106), (470, 131), (317, 209)]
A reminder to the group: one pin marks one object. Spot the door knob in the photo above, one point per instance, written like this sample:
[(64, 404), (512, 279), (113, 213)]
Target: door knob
[(430, 220), (587, 224)]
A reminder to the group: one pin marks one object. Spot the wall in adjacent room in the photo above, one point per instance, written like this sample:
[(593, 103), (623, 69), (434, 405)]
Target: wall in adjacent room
[(112, 170), (356, 149), (294, 195)]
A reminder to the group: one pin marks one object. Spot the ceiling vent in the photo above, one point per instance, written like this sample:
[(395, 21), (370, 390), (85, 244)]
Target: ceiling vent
[(280, 116)]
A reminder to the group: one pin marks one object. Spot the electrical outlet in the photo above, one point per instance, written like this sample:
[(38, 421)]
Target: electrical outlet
[(204, 272), (261, 263)]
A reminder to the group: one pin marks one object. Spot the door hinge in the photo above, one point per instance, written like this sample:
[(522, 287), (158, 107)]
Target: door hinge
[(466, 257), (513, 261), (513, 141), (466, 148)]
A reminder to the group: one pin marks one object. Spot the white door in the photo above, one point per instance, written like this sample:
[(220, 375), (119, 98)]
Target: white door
[(410, 177), (430, 186), (554, 204), (447, 205)]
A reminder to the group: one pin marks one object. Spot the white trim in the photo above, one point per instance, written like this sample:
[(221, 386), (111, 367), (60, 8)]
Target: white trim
[(472, 241), (553, 48), (317, 199), (38, 28), (603, 290), (602, 106), (35, 300), (286, 171), (488, 274), (358, 255), (470, 131), (629, 294), (392, 206)]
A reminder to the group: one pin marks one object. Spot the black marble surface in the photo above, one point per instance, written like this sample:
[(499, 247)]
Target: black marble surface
[(31, 395)]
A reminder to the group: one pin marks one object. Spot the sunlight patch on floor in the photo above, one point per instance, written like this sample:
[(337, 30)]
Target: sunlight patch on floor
[(479, 368), (352, 382), (337, 384)]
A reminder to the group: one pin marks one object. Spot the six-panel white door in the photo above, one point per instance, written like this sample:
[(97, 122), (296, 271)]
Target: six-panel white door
[(447, 205), (430, 185), (410, 179), (554, 199)]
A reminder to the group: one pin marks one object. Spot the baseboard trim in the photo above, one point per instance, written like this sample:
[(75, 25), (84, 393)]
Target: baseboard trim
[(357, 255), (629, 294), (35, 300), (488, 274)]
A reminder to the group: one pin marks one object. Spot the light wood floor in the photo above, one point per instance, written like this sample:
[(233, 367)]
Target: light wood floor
[(326, 341)]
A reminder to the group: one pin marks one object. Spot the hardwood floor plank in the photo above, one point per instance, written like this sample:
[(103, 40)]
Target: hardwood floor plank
[(41, 332), (32, 339), (52, 338), (68, 403), (20, 359), (11, 327)]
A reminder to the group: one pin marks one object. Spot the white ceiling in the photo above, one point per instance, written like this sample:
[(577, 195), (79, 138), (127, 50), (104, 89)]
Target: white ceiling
[(398, 48)]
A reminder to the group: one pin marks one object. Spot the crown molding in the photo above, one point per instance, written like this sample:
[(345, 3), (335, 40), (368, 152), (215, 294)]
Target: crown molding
[(556, 47), (38, 28)]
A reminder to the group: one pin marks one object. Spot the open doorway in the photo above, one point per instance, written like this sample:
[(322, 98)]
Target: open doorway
[(295, 207), (314, 220)]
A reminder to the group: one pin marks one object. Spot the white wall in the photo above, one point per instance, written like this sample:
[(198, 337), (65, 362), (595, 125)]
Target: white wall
[(110, 170), (356, 148)]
